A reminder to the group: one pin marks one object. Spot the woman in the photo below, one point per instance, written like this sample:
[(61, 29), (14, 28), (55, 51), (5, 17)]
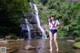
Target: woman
[(53, 26)]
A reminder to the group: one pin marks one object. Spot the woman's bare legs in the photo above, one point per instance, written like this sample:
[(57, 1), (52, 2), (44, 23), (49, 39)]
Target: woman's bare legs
[(50, 35), (55, 41)]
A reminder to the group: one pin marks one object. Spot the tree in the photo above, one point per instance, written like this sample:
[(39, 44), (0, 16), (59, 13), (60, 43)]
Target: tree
[(11, 12)]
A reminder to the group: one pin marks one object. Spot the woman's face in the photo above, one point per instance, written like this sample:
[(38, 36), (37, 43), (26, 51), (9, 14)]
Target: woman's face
[(52, 18)]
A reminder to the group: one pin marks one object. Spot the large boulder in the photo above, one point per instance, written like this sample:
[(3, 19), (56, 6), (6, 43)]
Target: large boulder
[(76, 45)]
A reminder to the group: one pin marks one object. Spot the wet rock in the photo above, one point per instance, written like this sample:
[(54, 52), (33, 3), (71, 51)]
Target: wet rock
[(7, 37), (10, 50), (3, 41), (20, 39), (71, 40), (29, 47)]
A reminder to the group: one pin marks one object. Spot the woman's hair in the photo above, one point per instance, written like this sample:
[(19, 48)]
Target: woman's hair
[(50, 18)]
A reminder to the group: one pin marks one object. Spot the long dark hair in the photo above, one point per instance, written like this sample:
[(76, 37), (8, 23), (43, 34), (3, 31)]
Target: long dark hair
[(50, 18)]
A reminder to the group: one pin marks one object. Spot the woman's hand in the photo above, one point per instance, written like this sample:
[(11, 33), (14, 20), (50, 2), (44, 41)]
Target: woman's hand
[(57, 27), (48, 20)]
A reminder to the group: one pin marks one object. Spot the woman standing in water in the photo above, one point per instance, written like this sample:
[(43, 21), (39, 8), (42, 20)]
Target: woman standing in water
[(53, 26)]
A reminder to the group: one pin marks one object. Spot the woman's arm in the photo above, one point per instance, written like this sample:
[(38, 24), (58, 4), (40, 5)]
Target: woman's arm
[(58, 24)]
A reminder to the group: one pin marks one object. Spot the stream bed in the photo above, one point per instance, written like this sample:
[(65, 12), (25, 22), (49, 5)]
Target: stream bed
[(40, 46)]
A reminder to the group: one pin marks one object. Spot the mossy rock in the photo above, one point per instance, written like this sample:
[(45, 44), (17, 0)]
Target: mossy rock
[(77, 39), (76, 45)]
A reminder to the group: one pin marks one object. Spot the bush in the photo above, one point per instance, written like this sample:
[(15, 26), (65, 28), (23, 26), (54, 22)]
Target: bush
[(77, 39), (14, 37), (1, 36), (62, 33)]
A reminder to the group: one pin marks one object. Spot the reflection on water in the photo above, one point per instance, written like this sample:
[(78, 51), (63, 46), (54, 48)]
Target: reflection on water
[(28, 42), (50, 51), (42, 46)]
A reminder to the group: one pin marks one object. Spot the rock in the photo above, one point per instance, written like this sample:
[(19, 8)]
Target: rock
[(3, 41), (7, 37), (11, 40), (8, 49), (76, 45), (71, 40), (20, 39), (29, 47), (11, 50)]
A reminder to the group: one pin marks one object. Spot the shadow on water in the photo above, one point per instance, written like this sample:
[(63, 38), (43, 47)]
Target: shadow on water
[(42, 46)]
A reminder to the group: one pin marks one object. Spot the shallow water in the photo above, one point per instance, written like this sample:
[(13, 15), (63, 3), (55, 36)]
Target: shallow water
[(40, 46)]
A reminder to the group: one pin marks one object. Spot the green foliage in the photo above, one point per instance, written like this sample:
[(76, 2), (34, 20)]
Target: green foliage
[(14, 37), (11, 12), (69, 12), (1, 36), (62, 33)]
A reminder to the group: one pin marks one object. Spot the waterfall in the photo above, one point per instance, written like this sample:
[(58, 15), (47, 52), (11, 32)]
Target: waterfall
[(25, 27), (38, 20), (28, 28)]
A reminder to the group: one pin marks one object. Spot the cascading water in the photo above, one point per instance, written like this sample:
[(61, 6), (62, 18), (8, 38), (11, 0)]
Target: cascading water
[(38, 20), (28, 28), (25, 27)]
